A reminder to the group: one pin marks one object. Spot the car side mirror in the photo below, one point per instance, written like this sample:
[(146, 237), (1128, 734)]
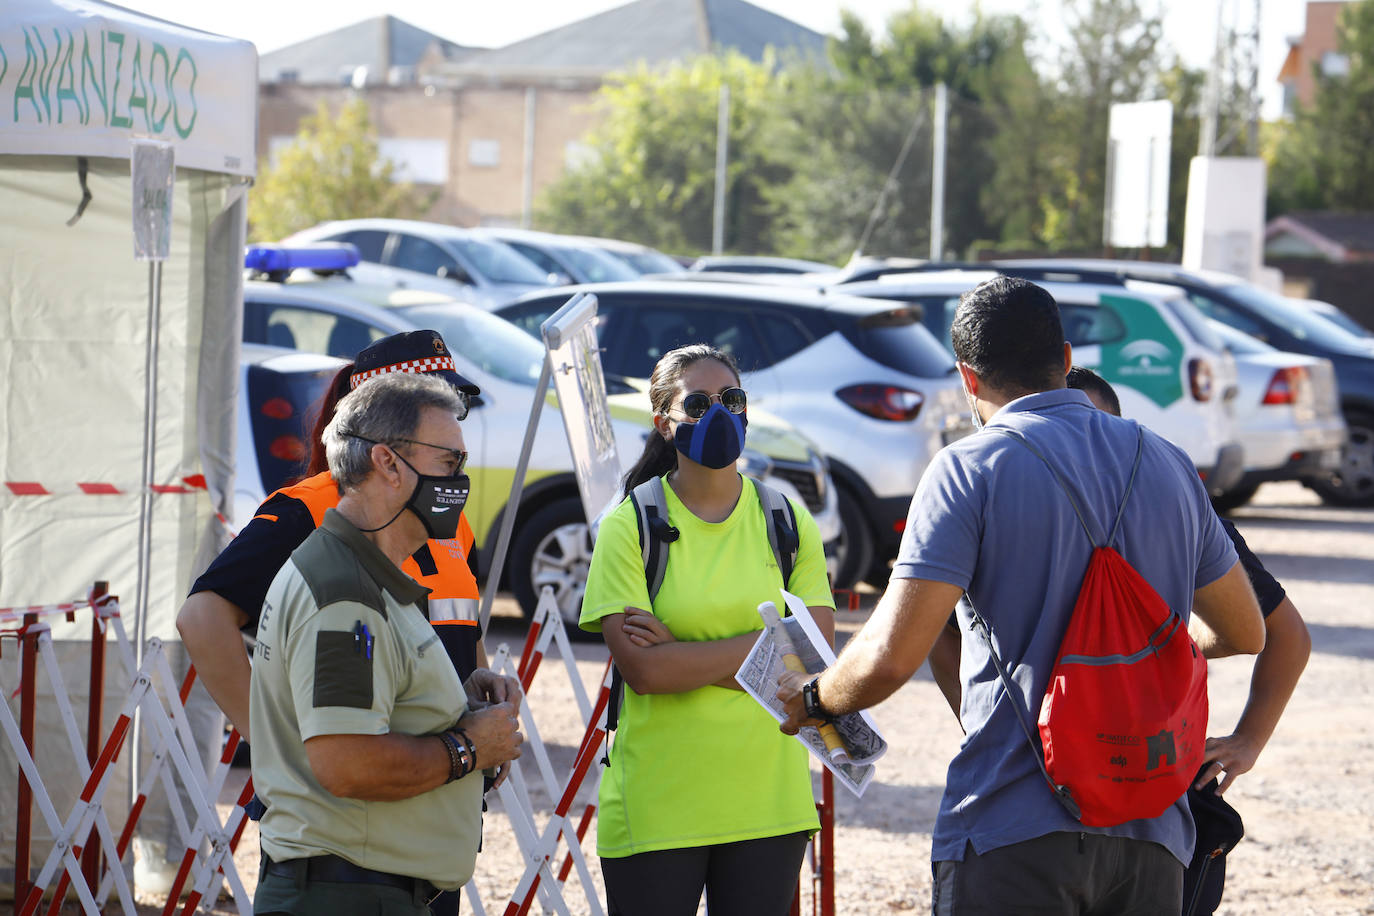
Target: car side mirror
[(559, 279)]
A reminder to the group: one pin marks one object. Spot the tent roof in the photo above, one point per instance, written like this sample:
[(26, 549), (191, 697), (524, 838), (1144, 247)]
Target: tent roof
[(83, 78)]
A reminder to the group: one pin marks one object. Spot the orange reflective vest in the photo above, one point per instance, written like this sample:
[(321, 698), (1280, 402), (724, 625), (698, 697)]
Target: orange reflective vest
[(446, 573)]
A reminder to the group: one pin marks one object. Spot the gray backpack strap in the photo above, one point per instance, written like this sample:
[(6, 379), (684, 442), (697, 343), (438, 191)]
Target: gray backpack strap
[(1068, 491), (780, 520), (655, 534)]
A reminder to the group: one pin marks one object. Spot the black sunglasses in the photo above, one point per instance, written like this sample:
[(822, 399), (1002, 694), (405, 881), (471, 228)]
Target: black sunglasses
[(696, 403)]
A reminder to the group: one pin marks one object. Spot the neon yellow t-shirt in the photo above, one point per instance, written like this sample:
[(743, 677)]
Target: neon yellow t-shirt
[(709, 765)]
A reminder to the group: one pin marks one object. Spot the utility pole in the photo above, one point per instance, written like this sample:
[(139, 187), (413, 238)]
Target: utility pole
[(722, 160), (937, 175)]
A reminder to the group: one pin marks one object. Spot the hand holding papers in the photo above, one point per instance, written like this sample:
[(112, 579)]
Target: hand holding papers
[(850, 745)]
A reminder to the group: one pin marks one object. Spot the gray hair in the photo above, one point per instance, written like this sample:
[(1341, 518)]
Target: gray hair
[(384, 409)]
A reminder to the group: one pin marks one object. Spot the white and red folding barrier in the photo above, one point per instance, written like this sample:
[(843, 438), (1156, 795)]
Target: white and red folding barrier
[(73, 862), (84, 834)]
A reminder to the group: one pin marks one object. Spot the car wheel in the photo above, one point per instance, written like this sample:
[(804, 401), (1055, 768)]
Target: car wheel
[(1234, 498), (553, 547), (1352, 484), (854, 552)]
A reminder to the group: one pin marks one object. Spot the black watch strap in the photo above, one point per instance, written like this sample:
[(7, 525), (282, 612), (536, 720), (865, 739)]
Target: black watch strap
[(811, 700)]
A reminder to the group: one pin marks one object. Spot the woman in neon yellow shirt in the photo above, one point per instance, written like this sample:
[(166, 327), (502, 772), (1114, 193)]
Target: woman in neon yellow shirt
[(703, 791)]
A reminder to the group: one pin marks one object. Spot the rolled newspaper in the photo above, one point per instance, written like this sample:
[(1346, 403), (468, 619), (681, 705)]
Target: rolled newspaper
[(778, 633)]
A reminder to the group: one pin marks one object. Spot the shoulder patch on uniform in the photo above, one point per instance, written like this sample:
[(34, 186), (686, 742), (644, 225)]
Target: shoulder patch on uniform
[(333, 573), (343, 671)]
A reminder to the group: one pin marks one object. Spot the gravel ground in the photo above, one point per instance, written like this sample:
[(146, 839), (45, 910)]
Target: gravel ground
[(1308, 805)]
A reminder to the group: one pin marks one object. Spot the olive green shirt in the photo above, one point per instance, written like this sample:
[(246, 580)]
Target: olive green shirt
[(344, 647)]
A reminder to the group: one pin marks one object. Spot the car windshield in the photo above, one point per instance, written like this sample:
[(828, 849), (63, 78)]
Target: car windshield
[(491, 343), (1196, 322), (647, 261), (1297, 320), (498, 263), (1239, 341), (898, 340), (595, 266), (1342, 320)]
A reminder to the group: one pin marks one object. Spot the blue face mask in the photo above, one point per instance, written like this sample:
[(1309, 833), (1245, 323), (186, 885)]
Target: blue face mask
[(716, 440)]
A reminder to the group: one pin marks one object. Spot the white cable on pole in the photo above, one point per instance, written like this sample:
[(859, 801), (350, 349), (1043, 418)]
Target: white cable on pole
[(937, 175), (722, 161)]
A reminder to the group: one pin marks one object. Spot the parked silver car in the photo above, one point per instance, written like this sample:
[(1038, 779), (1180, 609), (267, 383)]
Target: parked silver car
[(1287, 412), (455, 262)]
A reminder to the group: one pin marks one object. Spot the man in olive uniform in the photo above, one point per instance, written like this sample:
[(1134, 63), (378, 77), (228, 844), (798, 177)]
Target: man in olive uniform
[(364, 739)]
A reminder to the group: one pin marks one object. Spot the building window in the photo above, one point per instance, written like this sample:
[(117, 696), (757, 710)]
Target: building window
[(484, 153), (1335, 64), (416, 160)]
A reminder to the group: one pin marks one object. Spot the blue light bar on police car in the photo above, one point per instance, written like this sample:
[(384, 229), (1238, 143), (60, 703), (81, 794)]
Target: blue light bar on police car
[(271, 259)]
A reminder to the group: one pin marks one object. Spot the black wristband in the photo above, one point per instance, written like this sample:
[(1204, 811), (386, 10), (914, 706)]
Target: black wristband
[(455, 757), (469, 747), (811, 700)]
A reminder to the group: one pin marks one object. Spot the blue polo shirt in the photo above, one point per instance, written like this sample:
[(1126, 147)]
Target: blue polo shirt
[(989, 517)]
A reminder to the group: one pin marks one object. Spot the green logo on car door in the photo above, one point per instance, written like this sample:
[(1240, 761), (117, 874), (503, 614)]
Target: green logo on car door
[(1148, 356)]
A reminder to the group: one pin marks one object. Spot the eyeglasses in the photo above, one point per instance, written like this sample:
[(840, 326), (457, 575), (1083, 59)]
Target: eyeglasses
[(457, 454), (696, 403)]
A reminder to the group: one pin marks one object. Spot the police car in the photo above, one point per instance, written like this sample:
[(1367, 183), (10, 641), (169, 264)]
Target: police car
[(305, 298), (1169, 367)]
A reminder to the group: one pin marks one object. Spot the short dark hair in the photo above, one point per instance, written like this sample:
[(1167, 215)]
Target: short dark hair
[(1008, 331), (1090, 382)]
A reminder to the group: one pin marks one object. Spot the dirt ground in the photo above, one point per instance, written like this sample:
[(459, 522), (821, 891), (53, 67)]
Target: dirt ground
[(1308, 805)]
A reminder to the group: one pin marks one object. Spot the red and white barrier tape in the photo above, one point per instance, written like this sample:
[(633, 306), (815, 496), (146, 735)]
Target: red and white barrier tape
[(190, 484), (194, 483)]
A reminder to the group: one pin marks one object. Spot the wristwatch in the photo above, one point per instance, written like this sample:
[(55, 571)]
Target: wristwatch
[(811, 700)]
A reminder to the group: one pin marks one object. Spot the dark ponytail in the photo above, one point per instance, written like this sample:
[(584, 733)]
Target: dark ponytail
[(323, 412), (660, 456)]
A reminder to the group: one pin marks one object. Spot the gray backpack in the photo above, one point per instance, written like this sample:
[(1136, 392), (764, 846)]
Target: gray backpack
[(655, 536)]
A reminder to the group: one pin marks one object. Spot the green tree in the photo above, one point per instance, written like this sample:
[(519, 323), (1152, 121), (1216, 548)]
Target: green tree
[(1111, 56), (1322, 160), (650, 175), (332, 170), (846, 132)]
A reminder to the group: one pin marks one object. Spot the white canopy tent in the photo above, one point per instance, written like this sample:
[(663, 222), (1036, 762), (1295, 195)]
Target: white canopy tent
[(80, 80)]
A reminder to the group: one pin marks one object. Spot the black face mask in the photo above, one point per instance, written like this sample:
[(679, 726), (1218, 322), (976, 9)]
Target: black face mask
[(437, 501)]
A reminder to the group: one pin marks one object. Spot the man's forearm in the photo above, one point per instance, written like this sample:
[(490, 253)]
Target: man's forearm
[(209, 628), (1276, 674), (891, 646), (388, 767)]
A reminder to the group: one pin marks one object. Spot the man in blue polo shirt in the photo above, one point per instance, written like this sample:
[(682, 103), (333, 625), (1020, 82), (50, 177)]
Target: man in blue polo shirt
[(988, 519)]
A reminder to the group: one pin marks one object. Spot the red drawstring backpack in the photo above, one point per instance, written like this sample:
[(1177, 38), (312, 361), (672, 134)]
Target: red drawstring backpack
[(1123, 721)]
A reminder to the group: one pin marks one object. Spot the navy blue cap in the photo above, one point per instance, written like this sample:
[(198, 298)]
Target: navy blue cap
[(409, 351)]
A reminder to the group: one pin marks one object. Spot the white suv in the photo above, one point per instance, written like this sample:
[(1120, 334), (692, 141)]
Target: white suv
[(861, 378), (1168, 366)]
